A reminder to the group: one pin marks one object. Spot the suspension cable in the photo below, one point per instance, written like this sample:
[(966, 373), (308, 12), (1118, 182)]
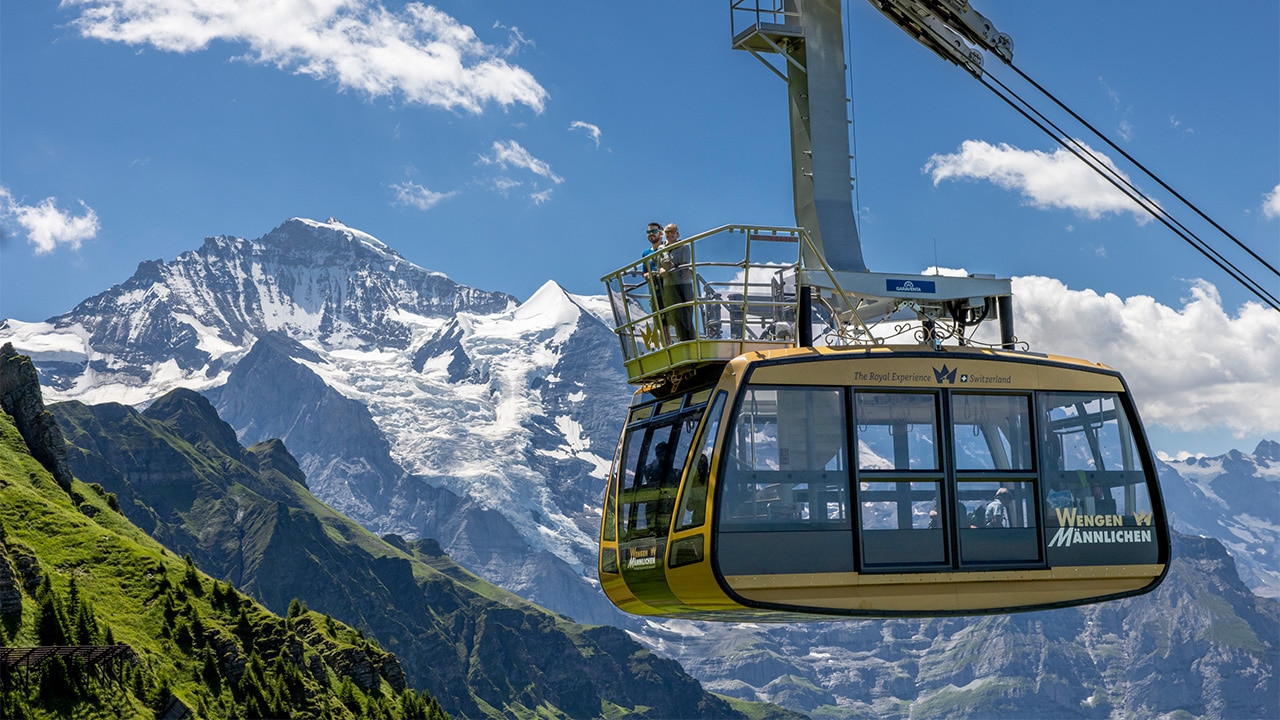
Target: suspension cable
[(1120, 183), (1142, 167), (1129, 190), (853, 122), (1117, 180)]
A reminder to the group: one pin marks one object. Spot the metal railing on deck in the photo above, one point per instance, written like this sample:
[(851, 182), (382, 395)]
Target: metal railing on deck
[(708, 299)]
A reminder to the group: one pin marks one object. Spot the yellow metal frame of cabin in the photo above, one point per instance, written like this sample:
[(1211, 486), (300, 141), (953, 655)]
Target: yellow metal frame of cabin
[(881, 366), (791, 596)]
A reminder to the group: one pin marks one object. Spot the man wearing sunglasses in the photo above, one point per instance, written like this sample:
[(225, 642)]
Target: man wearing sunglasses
[(653, 273)]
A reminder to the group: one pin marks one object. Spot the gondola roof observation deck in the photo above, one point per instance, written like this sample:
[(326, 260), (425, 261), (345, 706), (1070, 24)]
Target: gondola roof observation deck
[(737, 289)]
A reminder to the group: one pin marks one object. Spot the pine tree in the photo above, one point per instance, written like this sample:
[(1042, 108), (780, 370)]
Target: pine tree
[(197, 627), (244, 630), (191, 578), (182, 635), (164, 585), (210, 673), (168, 610), (51, 627), (55, 682), (347, 696), (81, 623), (159, 699)]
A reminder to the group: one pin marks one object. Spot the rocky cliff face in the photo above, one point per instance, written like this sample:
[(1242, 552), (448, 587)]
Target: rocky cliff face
[(200, 312), (273, 392), (20, 397), (277, 390)]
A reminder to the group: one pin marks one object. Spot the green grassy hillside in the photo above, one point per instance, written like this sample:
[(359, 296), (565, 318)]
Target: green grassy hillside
[(247, 517), (75, 571)]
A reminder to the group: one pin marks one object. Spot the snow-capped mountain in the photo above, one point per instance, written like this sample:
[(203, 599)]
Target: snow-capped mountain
[(184, 323), (423, 407), (414, 405), (429, 409), (1233, 498)]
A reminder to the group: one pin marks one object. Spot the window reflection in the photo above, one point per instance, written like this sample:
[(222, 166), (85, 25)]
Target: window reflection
[(1090, 459), (896, 431), (992, 432), (786, 460)]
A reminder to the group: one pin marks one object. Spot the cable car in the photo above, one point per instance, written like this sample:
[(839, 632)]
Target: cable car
[(876, 480), (812, 439)]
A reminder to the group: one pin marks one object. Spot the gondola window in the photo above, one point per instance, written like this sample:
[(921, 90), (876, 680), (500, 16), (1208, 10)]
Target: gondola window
[(900, 479), (784, 491)]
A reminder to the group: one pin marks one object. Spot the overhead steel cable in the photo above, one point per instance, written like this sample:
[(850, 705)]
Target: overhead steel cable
[(1126, 187), (953, 49), (1111, 175), (1142, 167)]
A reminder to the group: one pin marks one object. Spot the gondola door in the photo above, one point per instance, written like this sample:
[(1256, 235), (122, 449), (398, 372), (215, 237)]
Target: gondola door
[(654, 454)]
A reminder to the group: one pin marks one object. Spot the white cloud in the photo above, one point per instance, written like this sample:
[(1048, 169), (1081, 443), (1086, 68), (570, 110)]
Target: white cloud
[(414, 195), (1271, 203), (945, 272), (418, 53), (504, 185), (511, 154), (1045, 180), (46, 226), (539, 198), (1190, 369), (1111, 93), (515, 39), (593, 131)]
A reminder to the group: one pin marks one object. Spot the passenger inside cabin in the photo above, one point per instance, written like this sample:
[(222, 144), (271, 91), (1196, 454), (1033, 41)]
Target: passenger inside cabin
[(1102, 504), (998, 509), (695, 502), (649, 483), (962, 516)]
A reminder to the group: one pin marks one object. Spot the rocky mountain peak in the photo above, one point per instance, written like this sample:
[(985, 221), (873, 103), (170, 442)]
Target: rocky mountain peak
[(195, 419), (320, 283), (273, 456), (550, 302), (306, 241)]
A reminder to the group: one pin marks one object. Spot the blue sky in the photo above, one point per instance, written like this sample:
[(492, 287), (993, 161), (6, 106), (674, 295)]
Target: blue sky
[(510, 143)]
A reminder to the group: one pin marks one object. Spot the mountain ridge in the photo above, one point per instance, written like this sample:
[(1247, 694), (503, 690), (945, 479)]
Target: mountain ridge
[(74, 571), (1226, 490), (492, 432), (207, 306), (250, 519)]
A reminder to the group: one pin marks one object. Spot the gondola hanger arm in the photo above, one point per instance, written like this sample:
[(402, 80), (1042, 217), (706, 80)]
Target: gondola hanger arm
[(948, 20)]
